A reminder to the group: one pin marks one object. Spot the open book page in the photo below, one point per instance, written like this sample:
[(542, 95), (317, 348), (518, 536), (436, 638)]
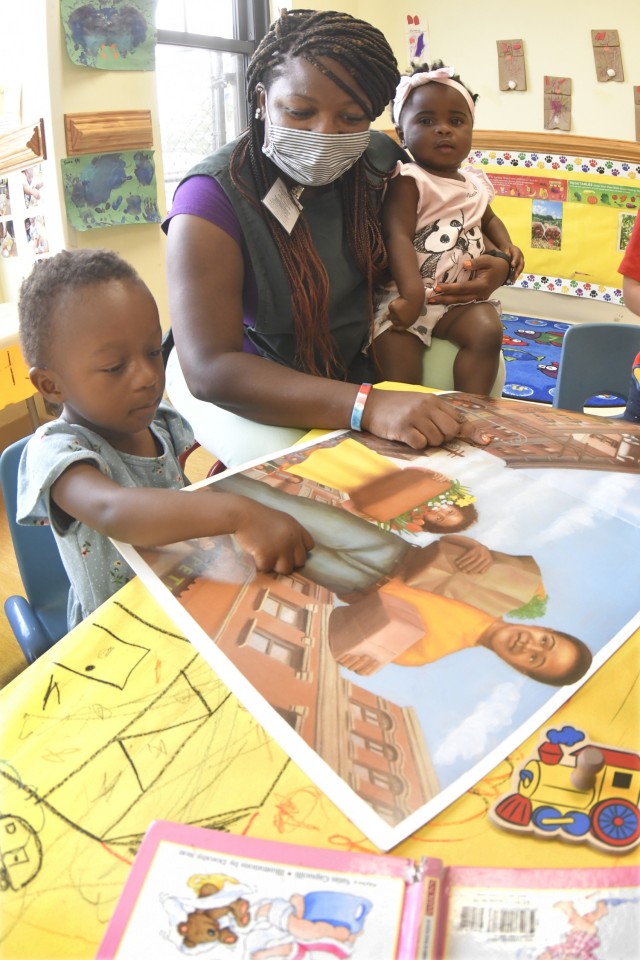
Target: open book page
[(201, 892)]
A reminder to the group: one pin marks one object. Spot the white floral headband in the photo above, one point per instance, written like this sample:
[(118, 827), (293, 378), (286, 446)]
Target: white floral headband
[(440, 75)]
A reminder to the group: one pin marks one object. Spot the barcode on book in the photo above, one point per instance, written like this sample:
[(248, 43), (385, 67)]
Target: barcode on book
[(491, 920)]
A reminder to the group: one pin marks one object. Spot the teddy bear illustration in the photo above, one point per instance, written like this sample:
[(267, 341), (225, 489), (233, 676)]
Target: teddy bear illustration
[(445, 244), (219, 908)]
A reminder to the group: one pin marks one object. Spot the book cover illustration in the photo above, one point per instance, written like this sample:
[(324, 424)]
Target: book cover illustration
[(201, 892), (453, 599), (537, 914)]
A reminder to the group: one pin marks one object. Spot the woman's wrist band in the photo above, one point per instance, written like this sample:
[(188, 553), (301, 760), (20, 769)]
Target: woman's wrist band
[(358, 407), (503, 256)]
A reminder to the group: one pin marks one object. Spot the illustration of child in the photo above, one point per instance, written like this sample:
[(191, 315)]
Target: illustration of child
[(319, 925), (224, 911), (581, 940), (434, 217)]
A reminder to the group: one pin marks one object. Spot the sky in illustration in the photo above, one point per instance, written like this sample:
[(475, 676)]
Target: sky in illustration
[(469, 701)]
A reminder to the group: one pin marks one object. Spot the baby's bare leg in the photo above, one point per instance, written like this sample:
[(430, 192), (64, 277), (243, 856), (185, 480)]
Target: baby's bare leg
[(477, 330), (398, 356)]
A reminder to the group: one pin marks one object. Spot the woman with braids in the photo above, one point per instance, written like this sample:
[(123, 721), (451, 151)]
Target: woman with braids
[(275, 249)]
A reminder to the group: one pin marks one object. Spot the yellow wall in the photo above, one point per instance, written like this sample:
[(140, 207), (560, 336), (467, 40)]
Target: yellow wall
[(557, 42), (556, 39), (78, 89), (53, 86)]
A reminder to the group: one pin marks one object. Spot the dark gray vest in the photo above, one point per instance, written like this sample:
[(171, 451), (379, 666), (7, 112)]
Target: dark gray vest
[(273, 333)]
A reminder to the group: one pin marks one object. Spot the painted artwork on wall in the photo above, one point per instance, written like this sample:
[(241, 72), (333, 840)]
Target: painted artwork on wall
[(416, 34), (452, 600), (110, 189), (110, 34)]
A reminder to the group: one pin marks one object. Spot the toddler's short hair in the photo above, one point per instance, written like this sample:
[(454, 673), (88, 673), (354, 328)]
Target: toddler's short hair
[(53, 279)]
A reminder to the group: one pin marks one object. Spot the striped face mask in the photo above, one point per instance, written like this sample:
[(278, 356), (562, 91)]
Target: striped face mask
[(312, 159)]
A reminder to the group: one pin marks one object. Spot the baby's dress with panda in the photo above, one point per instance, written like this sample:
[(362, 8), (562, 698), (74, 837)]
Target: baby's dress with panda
[(448, 232)]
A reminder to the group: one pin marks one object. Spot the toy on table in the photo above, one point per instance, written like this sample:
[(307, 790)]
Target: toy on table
[(575, 790)]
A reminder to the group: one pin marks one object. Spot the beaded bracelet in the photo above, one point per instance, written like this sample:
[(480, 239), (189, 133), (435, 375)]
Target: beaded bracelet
[(358, 407)]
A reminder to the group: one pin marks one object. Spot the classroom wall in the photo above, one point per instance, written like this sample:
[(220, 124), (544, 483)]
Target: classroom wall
[(77, 89), (557, 42), (53, 86)]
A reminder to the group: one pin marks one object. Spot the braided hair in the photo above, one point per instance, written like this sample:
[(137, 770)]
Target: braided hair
[(365, 54)]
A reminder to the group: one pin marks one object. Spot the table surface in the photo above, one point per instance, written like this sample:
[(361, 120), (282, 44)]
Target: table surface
[(122, 723)]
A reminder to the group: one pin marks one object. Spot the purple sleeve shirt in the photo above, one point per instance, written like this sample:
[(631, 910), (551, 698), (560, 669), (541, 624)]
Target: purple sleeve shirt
[(202, 196)]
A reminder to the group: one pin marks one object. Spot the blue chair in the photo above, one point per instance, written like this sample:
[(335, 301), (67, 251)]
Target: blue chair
[(39, 620), (595, 358)]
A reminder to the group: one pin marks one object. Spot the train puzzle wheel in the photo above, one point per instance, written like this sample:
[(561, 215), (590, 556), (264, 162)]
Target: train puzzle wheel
[(579, 824), (615, 823), (546, 818)]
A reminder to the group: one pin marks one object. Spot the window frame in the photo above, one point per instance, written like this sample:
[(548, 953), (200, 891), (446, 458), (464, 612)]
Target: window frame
[(250, 21)]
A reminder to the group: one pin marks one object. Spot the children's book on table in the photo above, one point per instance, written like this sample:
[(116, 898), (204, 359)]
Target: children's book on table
[(193, 892), (405, 660)]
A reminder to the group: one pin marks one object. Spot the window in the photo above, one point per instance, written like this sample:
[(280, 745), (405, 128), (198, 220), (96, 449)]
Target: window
[(301, 586), (201, 56), (286, 612), (362, 711), (621, 780), (379, 778), (288, 653), (386, 750)]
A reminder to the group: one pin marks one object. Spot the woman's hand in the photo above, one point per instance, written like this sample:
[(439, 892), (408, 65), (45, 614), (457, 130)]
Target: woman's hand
[(489, 273), (418, 419), (476, 557), (275, 540)]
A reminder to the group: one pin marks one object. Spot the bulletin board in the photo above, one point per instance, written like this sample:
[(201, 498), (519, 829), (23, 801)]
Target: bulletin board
[(568, 202)]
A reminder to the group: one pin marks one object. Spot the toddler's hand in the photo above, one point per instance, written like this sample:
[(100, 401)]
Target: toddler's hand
[(275, 540), (517, 261), (402, 313)]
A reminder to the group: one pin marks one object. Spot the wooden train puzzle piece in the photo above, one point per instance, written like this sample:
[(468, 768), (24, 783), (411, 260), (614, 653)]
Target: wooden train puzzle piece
[(575, 790)]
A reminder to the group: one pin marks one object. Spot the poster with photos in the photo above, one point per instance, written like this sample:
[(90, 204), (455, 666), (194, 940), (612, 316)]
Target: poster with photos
[(626, 222)]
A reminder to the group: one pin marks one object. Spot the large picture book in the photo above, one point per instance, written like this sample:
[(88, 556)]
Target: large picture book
[(454, 598), (199, 892)]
